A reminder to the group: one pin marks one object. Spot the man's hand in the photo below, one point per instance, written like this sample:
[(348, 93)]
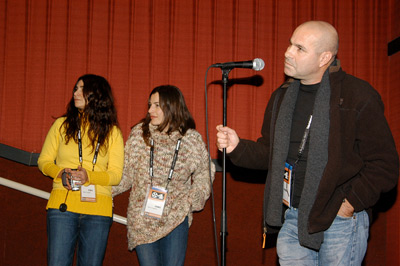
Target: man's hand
[(226, 138), (346, 210)]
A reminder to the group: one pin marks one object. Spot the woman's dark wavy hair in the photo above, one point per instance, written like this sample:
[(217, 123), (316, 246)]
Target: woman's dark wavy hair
[(99, 114), (176, 114)]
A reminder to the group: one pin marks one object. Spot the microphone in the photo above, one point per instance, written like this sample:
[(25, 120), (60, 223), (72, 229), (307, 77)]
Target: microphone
[(256, 64)]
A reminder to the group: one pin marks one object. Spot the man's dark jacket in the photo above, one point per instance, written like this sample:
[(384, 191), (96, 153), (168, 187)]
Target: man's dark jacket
[(362, 157)]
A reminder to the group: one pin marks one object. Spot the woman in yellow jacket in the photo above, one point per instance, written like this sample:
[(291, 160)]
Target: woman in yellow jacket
[(83, 153)]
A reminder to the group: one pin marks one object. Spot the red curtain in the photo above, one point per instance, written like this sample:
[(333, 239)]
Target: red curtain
[(393, 116), (46, 45)]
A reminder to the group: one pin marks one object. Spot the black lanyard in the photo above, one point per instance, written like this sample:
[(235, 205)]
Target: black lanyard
[(304, 140), (80, 151), (171, 171)]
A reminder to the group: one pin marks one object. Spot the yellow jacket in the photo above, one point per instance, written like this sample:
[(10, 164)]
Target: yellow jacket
[(56, 155)]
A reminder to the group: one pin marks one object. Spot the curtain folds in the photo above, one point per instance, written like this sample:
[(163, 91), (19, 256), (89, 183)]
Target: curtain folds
[(138, 45), (46, 45)]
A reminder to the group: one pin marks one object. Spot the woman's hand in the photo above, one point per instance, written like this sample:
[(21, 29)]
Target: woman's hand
[(80, 174), (65, 174)]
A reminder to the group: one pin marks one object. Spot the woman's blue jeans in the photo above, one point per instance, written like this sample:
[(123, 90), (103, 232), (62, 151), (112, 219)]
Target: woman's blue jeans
[(167, 251), (345, 242), (67, 229)]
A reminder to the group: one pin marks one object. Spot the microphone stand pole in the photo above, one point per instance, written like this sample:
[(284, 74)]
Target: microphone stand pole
[(225, 73)]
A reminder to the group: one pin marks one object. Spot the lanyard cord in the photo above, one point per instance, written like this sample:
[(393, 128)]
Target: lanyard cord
[(63, 206), (304, 140), (96, 153), (171, 171)]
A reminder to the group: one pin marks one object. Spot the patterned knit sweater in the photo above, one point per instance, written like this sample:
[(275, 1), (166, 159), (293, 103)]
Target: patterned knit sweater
[(188, 190)]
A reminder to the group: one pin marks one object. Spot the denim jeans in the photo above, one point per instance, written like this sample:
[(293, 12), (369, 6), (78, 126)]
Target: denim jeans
[(66, 229), (167, 251), (345, 242)]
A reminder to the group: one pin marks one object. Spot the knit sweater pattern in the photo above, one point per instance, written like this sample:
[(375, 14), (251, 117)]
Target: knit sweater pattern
[(188, 189)]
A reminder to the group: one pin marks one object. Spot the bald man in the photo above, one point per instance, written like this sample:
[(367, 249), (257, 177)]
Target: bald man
[(328, 150)]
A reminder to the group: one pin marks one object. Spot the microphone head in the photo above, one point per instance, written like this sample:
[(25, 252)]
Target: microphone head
[(258, 64)]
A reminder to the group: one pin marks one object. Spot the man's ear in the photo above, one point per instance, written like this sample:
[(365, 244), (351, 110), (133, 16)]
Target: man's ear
[(325, 58)]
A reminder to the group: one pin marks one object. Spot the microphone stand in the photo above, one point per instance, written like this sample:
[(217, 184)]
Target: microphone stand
[(224, 232)]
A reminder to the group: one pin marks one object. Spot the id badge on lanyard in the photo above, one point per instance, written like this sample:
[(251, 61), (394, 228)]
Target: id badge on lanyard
[(156, 197), (88, 193), (288, 175), (287, 185), (154, 204)]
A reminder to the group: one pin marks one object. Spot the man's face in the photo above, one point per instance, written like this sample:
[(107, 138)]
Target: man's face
[(302, 59)]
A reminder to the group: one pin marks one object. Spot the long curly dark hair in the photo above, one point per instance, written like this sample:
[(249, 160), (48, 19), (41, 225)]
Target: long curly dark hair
[(99, 114), (176, 114)]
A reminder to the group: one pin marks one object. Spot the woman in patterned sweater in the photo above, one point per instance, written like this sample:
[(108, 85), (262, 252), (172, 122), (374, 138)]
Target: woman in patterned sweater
[(167, 169)]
